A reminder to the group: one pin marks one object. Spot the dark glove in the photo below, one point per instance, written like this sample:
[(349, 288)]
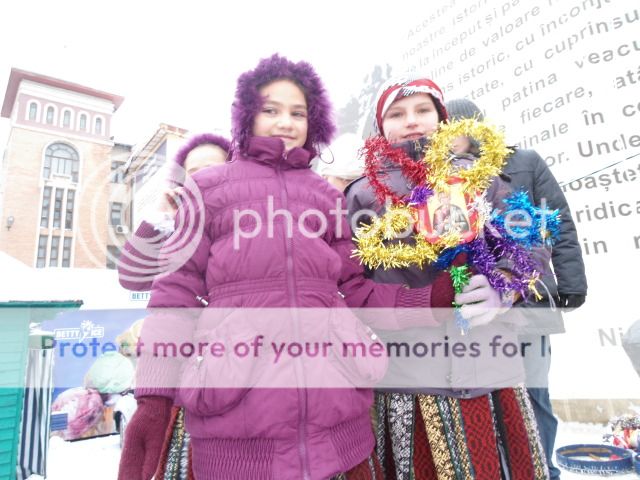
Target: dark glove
[(144, 438), (571, 301)]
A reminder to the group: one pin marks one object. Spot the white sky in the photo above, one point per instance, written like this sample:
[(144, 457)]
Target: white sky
[(177, 62)]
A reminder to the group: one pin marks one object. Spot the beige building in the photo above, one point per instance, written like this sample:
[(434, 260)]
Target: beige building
[(63, 198)]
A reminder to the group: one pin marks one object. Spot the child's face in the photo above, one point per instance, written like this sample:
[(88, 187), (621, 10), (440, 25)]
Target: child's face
[(204, 156), (410, 118), (461, 145), (283, 115)]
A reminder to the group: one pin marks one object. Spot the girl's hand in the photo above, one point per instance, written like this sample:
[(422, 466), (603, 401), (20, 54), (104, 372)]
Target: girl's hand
[(480, 302), (170, 200)]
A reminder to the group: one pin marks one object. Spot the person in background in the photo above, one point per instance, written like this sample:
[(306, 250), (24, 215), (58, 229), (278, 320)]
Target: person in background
[(138, 263), (567, 288), (346, 165)]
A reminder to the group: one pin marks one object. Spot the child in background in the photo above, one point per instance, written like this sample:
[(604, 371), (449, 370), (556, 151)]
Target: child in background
[(345, 165), (566, 283), (138, 263)]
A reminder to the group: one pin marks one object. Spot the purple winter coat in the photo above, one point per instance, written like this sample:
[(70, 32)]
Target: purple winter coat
[(272, 433)]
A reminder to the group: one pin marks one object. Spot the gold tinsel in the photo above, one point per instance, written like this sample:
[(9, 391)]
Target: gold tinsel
[(377, 245), (493, 154), (532, 286)]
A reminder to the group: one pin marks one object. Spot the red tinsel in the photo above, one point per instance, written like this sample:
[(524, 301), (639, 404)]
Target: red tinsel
[(375, 151)]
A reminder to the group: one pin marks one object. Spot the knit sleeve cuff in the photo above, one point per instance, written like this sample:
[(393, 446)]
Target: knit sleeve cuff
[(146, 230), (414, 297), (156, 376), (413, 308)]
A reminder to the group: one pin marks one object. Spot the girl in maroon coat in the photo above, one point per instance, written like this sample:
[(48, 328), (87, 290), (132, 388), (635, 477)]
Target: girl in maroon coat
[(294, 265)]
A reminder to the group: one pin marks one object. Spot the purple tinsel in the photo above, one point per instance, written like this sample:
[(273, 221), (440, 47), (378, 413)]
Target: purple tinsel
[(521, 264), (420, 195), (510, 249)]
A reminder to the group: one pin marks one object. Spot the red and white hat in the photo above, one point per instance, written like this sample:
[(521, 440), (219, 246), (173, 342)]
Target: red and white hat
[(400, 87)]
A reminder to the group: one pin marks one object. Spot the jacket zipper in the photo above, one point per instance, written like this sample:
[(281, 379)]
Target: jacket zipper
[(291, 291)]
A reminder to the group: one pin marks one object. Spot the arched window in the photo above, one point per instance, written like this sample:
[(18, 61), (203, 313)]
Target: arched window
[(50, 113), (83, 122), (33, 111), (66, 119), (61, 159), (98, 130)]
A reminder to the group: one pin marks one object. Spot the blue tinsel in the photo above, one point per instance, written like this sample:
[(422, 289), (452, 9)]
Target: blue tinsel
[(446, 256), (540, 227), (513, 243)]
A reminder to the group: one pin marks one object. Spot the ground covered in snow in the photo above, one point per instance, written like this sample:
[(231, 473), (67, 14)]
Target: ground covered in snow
[(98, 458)]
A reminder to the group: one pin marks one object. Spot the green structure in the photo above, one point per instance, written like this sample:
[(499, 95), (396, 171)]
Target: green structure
[(15, 319)]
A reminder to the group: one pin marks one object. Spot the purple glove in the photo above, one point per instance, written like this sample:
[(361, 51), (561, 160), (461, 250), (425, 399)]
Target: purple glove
[(480, 301), (144, 438)]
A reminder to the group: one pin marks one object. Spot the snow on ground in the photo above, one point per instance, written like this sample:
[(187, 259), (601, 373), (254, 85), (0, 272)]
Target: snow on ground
[(95, 458), (98, 458)]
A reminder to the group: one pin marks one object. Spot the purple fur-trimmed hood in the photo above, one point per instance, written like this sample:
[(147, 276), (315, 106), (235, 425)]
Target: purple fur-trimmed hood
[(248, 101), (202, 139)]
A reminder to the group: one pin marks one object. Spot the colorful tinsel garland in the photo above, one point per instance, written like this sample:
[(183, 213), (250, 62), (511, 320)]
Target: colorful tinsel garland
[(383, 243)]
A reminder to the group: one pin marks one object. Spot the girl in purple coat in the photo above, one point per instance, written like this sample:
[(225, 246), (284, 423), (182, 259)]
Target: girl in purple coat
[(281, 118)]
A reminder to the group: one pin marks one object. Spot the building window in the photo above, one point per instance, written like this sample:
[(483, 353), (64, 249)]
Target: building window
[(53, 255), (113, 253), (50, 113), (42, 251), (68, 217), (66, 119), (57, 207), (117, 172), (98, 129), (66, 252), (83, 122), (33, 111), (115, 213), (46, 207), (61, 160)]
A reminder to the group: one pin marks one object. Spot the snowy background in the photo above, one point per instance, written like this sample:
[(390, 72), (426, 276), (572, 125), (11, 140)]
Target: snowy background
[(100, 456)]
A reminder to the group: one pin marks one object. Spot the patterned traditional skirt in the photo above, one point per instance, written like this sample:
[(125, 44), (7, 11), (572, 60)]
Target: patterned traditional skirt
[(420, 437), (175, 459)]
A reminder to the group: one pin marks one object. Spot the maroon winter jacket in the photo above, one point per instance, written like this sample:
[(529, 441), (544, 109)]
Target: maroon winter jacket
[(289, 433)]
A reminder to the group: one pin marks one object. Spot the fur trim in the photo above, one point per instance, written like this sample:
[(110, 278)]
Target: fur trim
[(247, 101), (202, 139)]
